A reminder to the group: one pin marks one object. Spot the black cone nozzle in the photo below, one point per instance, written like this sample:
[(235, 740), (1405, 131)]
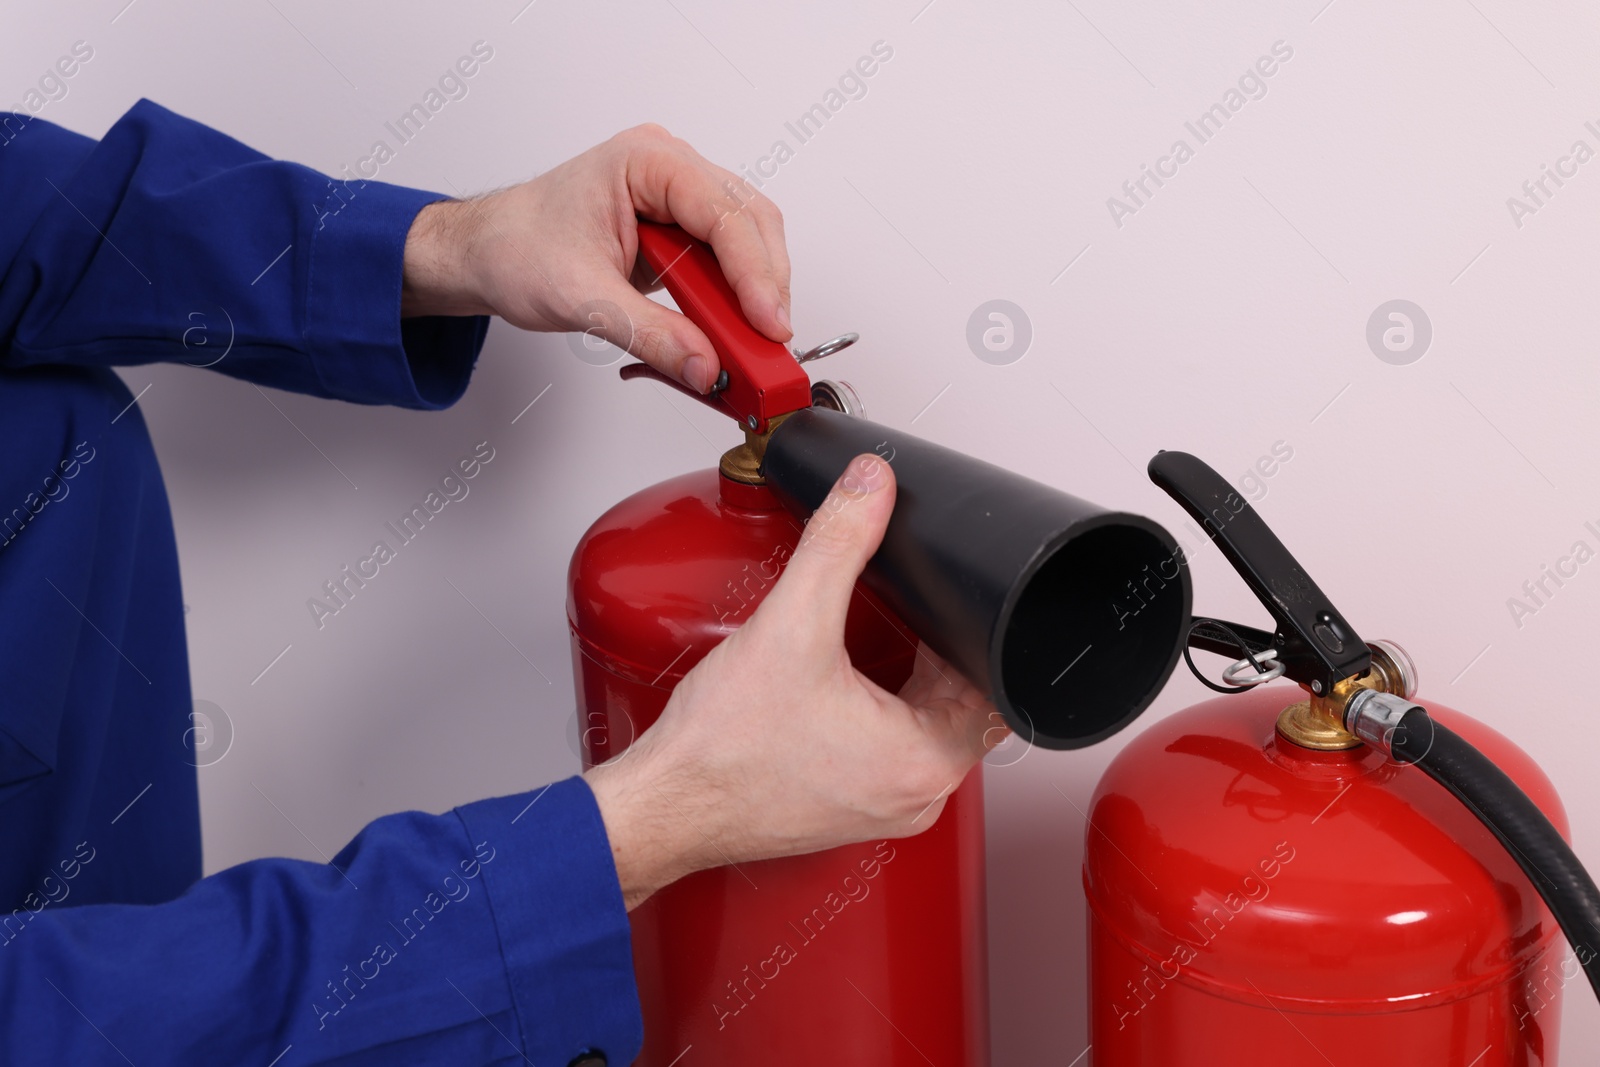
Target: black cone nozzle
[(1070, 616)]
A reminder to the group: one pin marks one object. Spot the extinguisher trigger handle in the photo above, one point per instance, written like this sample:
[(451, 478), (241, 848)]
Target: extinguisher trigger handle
[(760, 379), (1317, 647), (712, 400)]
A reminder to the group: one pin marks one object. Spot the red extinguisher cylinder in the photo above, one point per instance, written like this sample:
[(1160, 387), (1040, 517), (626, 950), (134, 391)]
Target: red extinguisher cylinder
[(1252, 901), (874, 954)]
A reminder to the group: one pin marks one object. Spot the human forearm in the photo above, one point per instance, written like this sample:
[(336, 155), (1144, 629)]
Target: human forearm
[(438, 278), (652, 844)]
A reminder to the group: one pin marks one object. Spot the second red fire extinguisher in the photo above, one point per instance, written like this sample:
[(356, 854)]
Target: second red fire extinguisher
[(1329, 874)]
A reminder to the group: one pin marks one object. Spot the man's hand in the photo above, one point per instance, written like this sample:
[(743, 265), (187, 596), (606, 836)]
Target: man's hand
[(542, 254), (774, 745)]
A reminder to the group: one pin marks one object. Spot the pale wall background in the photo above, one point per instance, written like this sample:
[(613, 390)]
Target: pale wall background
[(1228, 314)]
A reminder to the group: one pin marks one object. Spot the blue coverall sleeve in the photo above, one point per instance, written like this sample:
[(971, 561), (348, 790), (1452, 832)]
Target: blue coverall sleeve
[(169, 241), (492, 934)]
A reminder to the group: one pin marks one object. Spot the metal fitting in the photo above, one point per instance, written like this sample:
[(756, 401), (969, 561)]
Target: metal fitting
[(1374, 716), (1395, 664), (837, 396), (742, 463), (1323, 721), (826, 348)]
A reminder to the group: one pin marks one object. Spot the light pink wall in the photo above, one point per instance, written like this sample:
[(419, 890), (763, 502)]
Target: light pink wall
[(1227, 313)]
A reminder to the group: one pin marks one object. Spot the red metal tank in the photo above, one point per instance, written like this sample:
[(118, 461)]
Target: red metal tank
[(873, 954), (1255, 902)]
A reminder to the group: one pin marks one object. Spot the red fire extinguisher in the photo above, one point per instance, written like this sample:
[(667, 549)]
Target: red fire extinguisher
[(873, 954), (1277, 876)]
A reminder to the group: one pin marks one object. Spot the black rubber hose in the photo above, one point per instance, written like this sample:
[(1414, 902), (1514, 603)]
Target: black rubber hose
[(1516, 821)]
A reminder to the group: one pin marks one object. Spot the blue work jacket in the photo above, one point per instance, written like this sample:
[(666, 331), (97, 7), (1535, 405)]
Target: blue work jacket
[(495, 933)]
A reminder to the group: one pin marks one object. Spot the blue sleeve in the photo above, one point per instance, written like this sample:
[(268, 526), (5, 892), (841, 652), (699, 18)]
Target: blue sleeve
[(495, 933), (168, 241)]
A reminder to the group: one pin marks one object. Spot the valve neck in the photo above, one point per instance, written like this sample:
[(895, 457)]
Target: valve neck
[(742, 463), (1319, 722)]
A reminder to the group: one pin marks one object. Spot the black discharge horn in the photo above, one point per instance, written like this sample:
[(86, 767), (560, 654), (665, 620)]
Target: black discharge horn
[(1070, 616)]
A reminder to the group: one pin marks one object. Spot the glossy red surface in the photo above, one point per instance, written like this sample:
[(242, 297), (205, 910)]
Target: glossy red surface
[(1252, 901), (873, 954)]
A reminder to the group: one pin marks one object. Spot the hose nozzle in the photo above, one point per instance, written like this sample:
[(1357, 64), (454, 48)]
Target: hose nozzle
[(1375, 716)]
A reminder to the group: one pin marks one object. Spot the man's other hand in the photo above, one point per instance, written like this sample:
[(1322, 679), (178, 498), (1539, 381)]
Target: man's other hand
[(775, 745), (559, 253)]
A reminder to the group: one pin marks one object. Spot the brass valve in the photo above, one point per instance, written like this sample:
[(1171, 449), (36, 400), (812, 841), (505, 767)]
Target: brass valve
[(1318, 723), (742, 463)]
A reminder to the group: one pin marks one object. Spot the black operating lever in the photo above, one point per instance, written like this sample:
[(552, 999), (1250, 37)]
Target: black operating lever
[(1317, 647)]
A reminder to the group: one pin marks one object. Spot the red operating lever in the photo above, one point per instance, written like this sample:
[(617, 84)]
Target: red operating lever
[(764, 380)]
